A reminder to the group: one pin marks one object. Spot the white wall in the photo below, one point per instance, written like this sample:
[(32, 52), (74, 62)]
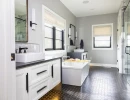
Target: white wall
[(84, 26)]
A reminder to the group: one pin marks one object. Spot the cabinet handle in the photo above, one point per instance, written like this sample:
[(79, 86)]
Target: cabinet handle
[(83, 57), (41, 72), (52, 71), (41, 89), (27, 82)]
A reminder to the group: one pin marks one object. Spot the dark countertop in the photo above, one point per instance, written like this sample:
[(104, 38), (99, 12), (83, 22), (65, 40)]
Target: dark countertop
[(23, 65)]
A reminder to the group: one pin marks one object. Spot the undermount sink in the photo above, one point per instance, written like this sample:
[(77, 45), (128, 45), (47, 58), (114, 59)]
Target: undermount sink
[(29, 57), (78, 50)]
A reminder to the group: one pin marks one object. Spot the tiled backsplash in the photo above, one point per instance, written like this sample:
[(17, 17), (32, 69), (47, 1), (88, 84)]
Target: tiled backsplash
[(31, 47)]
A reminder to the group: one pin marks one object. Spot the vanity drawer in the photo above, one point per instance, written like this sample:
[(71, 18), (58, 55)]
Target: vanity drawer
[(39, 72), (38, 90)]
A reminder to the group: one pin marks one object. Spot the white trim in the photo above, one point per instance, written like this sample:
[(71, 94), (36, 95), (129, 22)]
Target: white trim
[(55, 53), (111, 37), (46, 24), (119, 42), (104, 65)]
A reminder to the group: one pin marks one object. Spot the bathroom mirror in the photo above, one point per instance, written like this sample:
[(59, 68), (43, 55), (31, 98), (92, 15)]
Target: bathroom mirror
[(21, 20), (73, 34)]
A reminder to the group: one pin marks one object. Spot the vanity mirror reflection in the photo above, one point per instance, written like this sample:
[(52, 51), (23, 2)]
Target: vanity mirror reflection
[(21, 20), (72, 35)]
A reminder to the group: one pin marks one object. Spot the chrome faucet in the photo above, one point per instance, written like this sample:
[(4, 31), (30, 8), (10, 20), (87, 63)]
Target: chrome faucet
[(20, 49)]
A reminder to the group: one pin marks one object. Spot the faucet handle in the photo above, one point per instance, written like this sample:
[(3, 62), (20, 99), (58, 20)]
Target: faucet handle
[(25, 50)]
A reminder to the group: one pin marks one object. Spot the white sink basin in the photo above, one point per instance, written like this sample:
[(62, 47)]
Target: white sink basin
[(29, 57), (78, 50)]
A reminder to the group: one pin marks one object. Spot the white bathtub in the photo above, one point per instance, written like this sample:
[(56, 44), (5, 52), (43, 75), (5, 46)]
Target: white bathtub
[(74, 73)]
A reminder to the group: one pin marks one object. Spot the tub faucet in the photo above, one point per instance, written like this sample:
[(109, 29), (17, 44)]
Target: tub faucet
[(65, 57)]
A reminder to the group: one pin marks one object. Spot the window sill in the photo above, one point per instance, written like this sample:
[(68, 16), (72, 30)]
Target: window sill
[(55, 52), (102, 48)]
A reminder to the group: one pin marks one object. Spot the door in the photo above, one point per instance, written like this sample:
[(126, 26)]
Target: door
[(22, 85), (126, 60), (56, 73), (7, 46)]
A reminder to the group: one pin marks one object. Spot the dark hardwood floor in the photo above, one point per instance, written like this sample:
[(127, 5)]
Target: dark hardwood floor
[(101, 84)]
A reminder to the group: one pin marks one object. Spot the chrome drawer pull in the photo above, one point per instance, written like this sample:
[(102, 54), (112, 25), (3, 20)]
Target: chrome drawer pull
[(41, 72), (41, 89)]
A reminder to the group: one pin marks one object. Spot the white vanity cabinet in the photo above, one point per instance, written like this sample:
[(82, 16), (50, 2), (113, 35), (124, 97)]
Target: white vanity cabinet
[(21, 84), (35, 81), (39, 72), (39, 89)]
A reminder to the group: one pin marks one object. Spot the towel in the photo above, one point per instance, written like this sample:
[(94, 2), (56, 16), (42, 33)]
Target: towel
[(81, 44)]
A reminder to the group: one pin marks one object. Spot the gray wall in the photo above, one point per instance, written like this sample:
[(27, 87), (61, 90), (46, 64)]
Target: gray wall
[(57, 7), (84, 27)]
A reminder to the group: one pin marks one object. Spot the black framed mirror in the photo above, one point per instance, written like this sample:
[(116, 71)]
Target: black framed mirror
[(21, 20), (72, 35)]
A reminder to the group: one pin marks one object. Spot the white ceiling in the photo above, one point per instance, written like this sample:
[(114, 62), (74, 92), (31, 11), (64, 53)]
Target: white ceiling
[(94, 7)]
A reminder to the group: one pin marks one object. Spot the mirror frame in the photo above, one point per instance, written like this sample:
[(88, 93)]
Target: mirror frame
[(26, 25), (71, 25)]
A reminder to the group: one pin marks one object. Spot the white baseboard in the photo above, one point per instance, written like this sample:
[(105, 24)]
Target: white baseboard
[(103, 65)]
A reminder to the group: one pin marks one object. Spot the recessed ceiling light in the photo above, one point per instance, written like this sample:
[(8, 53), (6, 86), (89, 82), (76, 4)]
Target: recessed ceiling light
[(85, 1)]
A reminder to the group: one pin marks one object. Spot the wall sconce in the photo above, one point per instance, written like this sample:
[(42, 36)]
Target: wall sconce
[(69, 35), (33, 22)]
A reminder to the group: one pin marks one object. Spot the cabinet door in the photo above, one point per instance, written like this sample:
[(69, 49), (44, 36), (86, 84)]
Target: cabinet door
[(22, 84), (56, 73)]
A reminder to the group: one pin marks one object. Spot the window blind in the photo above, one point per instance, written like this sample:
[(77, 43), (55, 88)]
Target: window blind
[(102, 30), (49, 17), (53, 19)]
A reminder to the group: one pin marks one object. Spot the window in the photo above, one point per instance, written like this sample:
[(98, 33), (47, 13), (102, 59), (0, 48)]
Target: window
[(54, 38), (102, 36), (102, 42), (54, 30)]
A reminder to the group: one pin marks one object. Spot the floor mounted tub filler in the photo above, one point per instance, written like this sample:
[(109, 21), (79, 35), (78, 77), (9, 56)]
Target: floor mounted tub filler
[(74, 73)]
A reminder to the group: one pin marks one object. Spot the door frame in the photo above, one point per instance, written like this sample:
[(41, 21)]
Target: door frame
[(7, 46), (119, 40)]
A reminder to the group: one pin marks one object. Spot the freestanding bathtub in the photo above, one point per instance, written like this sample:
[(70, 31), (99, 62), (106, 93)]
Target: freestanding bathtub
[(74, 73)]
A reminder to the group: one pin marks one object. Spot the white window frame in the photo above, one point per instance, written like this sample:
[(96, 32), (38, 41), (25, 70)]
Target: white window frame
[(43, 27), (111, 37)]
